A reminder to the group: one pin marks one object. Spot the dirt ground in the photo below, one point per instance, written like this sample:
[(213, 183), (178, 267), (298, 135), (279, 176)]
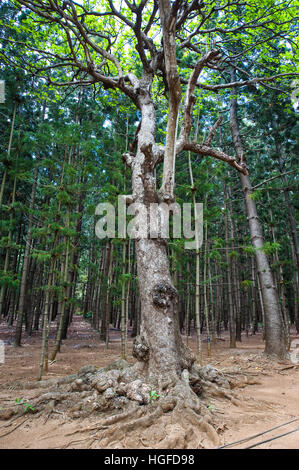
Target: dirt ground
[(268, 398)]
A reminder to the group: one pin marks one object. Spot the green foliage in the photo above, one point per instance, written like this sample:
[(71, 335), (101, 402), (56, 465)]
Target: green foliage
[(246, 283), (153, 395), (74, 137), (250, 250), (27, 406), (256, 195), (125, 277), (7, 278), (271, 248)]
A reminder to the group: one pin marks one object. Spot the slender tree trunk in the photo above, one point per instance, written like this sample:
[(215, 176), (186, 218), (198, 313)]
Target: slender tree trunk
[(253, 298), (8, 153), (205, 286), (274, 333), (296, 289), (188, 304), (108, 294), (212, 304), (294, 234), (197, 282), (104, 291), (43, 366), (8, 248), (123, 305), (234, 270), (26, 259), (65, 289), (281, 288), (231, 314), (128, 292)]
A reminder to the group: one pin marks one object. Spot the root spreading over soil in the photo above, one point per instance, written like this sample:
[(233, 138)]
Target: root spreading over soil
[(126, 404), (118, 406)]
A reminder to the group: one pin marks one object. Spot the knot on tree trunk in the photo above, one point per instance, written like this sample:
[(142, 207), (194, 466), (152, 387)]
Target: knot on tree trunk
[(163, 294), (140, 349)]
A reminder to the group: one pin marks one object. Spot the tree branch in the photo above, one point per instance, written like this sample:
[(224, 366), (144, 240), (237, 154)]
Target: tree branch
[(202, 149), (190, 99), (168, 20)]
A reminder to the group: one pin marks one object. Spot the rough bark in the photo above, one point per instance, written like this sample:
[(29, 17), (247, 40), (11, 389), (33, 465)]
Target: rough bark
[(168, 21), (160, 347)]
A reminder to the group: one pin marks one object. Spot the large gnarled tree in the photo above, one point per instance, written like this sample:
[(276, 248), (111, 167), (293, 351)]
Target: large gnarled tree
[(179, 44)]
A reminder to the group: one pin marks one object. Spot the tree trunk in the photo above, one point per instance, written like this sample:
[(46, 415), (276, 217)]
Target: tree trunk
[(234, 269), (163, 353), (166, 353), (274, 333), (197, 281), (205, 287), (231, 311), (18, 333)]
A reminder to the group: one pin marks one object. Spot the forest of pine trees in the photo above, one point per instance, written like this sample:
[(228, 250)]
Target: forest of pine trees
[(61, 155)]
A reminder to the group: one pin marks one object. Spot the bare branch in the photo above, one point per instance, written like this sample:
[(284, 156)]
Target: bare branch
[(245, 82), (168, 21), (190, 99), (212, 131), (274, 177), (202, 149)]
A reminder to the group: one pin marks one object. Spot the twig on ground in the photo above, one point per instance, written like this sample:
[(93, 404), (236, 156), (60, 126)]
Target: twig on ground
[(12, 430), (257, 435)]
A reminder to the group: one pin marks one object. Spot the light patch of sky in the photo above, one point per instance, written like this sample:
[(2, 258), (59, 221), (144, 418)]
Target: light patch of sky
[(108, 123), (248, 122)]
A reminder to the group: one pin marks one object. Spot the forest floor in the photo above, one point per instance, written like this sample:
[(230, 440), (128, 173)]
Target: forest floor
[(267, 397)]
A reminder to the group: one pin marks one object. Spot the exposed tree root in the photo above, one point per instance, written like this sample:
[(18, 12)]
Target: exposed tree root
[(12, 430), (43, 383), (173, 413)]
